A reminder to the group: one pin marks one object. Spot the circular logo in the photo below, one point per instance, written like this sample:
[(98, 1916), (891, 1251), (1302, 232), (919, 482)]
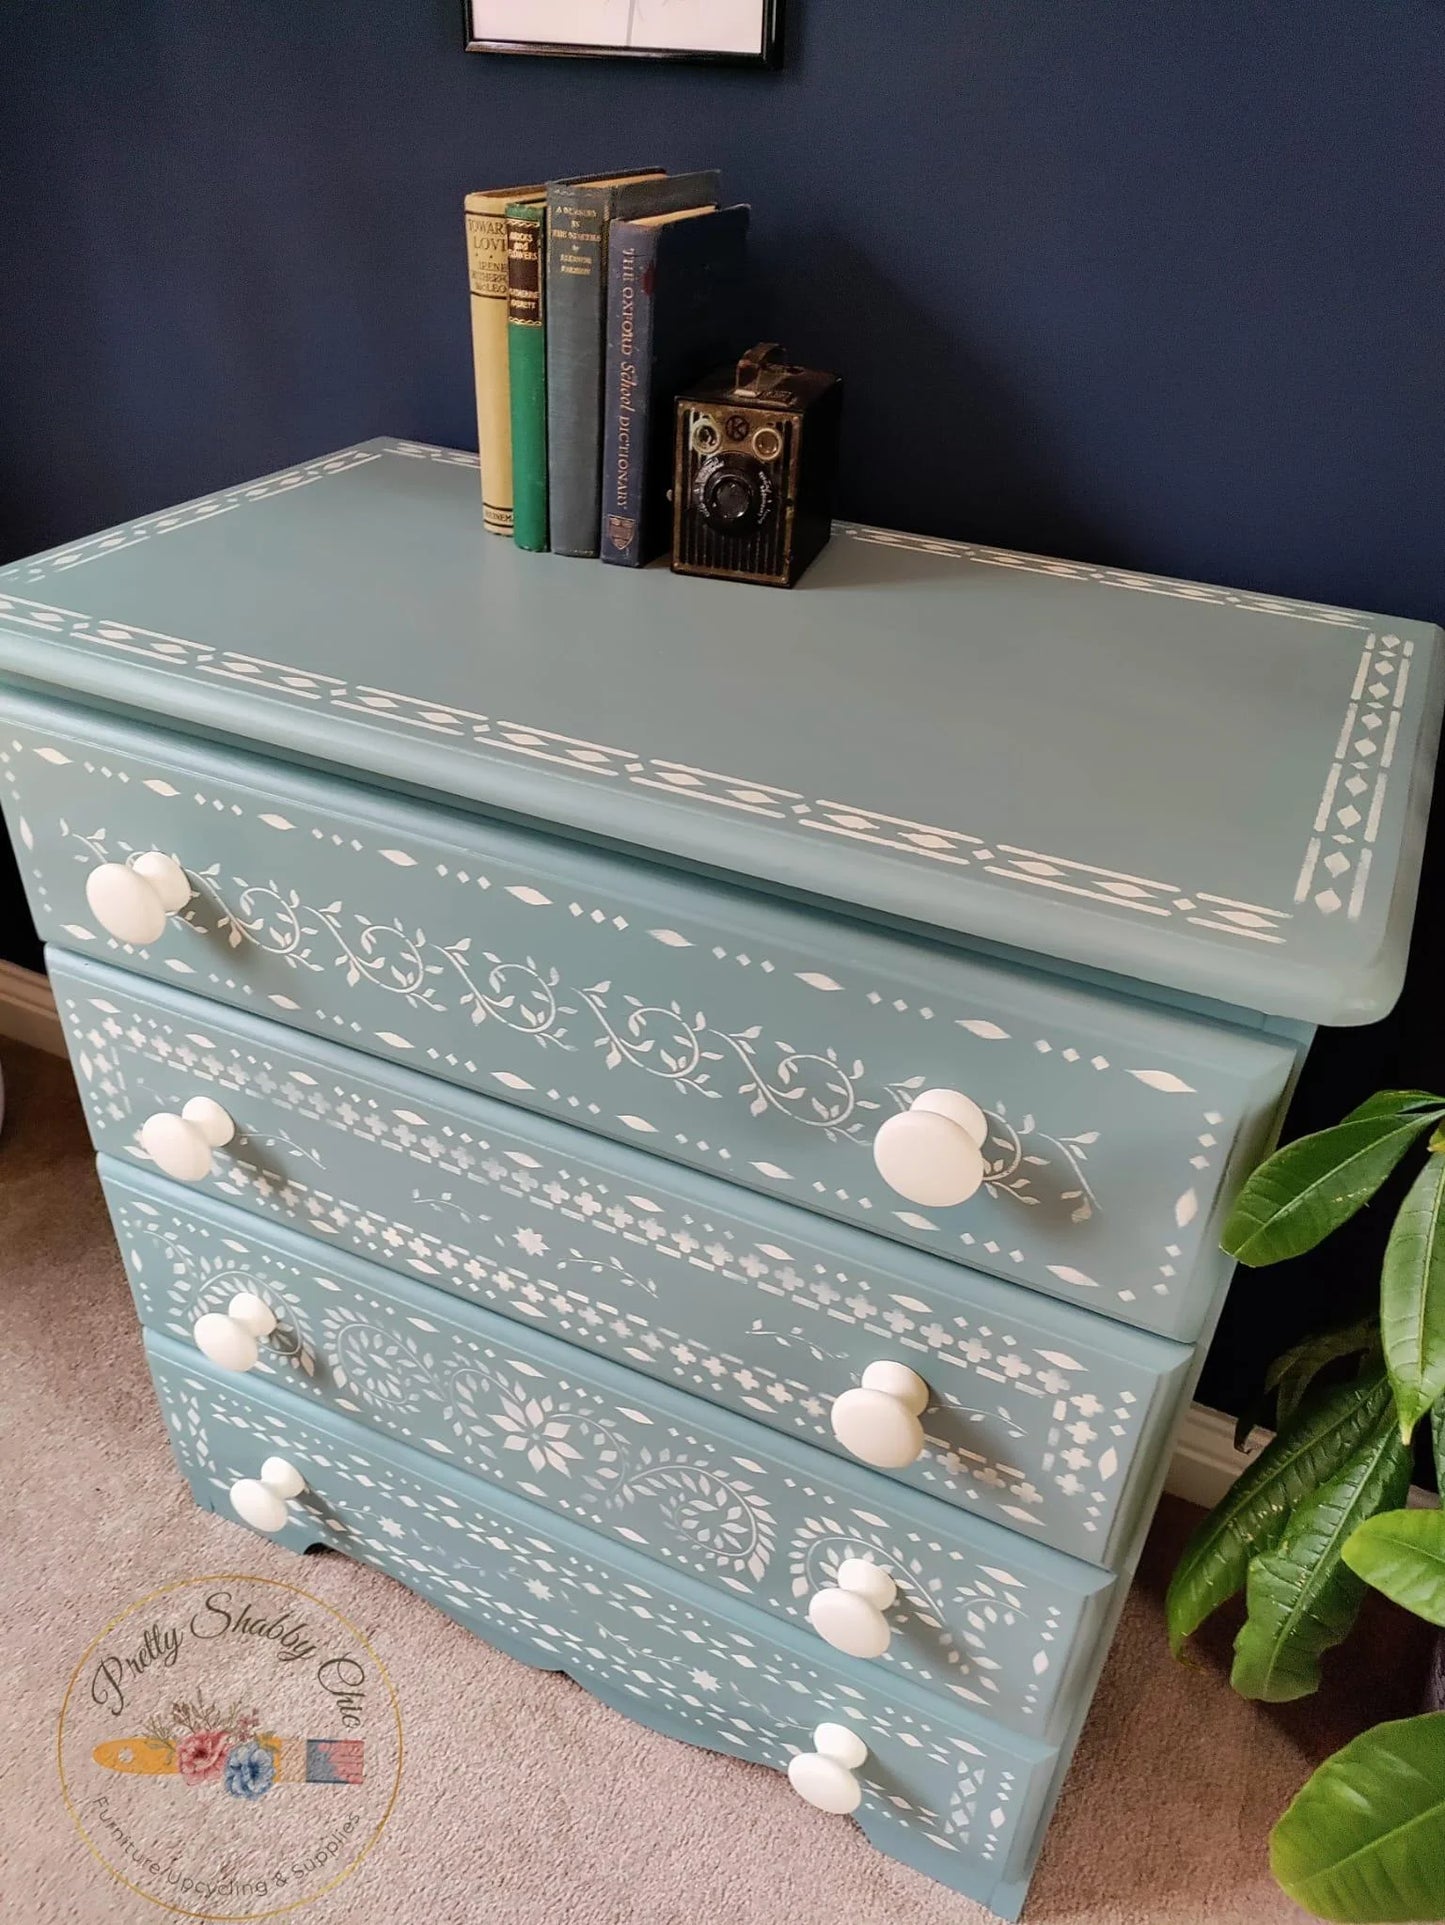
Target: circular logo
[(230, 1747)]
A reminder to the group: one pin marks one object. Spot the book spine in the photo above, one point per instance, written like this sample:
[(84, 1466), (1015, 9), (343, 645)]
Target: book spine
[(627, 394), (576, 241), (527, 374), (487, 277)]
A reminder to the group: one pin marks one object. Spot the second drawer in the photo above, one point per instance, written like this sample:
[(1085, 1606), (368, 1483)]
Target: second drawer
[(1002, 1625), (1043, 1417)]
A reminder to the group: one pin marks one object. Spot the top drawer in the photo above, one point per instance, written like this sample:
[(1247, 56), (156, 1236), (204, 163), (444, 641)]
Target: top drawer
[(731, 1032)]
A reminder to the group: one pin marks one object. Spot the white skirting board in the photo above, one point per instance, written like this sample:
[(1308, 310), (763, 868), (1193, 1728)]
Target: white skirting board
[(27, 1010), (1205, 1462)]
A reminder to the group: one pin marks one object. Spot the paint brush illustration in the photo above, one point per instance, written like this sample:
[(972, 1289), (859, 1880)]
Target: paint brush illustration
[(294, 1761)]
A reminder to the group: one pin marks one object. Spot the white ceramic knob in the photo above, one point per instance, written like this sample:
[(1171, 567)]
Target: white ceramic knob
[(878, 1421), (131, 900), (181, 1145), (824, 1775), (849, 1614), (261, 1501), (233, 1340), (932, 1152)]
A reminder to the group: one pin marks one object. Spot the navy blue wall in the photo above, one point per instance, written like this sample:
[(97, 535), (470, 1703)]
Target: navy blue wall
[(1153, 284), (1156, 285)]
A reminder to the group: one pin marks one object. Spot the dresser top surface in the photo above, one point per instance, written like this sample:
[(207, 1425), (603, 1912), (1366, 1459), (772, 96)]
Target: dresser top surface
[(1212, 791)]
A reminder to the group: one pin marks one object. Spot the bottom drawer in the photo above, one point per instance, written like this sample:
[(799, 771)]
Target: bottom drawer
[(950, 1794)]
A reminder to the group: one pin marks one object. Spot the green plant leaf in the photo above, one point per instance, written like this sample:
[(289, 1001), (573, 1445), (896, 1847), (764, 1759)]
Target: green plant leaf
[(1396, 1102), (1364, 1838), (1251, 1518), (1310, 1187), (1437, 1439), (1293, 1372), (1302, 1597), (1402, 1553), (1412, 1297)]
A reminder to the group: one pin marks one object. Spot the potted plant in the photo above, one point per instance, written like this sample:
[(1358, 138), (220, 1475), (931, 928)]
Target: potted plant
[(1364, 1838), (1318, 1514)]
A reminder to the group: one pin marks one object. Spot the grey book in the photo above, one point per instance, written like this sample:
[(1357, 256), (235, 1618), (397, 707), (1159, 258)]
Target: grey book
[(579, 216)]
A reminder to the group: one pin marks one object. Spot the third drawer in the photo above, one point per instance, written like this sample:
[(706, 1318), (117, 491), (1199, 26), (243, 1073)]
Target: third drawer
[(1006, 1627)]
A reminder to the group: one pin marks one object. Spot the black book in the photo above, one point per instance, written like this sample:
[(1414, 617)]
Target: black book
[(674, 310), (578, 219)]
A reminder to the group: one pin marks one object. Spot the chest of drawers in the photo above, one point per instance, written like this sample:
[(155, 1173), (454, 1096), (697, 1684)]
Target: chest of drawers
[(743, 1238)]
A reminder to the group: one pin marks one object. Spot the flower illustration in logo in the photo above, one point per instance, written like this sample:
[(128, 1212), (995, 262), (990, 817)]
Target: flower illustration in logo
[(203, 1744), (250, 1770), (201, 1756)]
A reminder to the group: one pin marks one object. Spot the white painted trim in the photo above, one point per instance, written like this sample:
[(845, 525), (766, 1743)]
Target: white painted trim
[(27, 1009), (1205, 1462)]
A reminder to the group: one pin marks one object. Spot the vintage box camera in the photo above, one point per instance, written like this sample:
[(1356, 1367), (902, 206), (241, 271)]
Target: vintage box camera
[(756, 457)]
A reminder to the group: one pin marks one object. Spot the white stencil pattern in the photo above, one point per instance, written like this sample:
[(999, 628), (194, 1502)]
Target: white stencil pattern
[(569, 1448), (785, 1367), (741, 1692), (927, 842), (825, 1090)]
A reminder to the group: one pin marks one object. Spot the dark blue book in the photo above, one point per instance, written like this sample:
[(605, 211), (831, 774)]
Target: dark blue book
[(579, 216), (674, 310)]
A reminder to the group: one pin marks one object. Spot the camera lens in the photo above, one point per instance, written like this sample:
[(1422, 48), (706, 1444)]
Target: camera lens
[(731, 498), (705, 435), (767, 444), (732, 493)]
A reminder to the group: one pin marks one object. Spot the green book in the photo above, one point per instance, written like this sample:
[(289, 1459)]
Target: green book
[(527, 372)]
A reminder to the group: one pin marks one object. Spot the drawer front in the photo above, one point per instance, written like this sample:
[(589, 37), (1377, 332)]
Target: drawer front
[(718, 1029), (996, 1623), (951, 1794), (1043, 1418)]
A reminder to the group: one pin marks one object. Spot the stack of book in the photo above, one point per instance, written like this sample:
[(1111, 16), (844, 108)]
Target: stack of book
[(594, 303)]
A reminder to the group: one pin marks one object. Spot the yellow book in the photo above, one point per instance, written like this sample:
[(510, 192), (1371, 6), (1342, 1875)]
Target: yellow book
[(486, 217)]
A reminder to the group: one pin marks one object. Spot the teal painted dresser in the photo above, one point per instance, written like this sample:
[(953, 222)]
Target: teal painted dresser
[(691, 1126)]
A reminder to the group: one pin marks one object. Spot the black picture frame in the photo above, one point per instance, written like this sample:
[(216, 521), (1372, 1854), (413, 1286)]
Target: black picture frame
[(770, 54)]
